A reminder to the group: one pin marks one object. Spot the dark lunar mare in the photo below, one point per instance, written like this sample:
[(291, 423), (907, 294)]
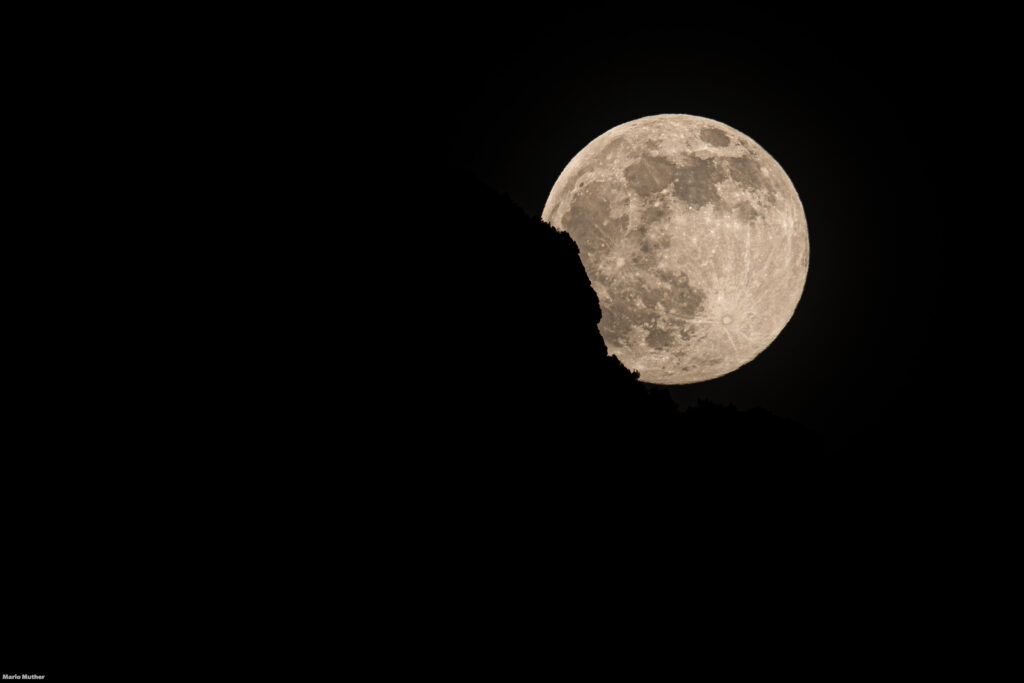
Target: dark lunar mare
[(693, 183)]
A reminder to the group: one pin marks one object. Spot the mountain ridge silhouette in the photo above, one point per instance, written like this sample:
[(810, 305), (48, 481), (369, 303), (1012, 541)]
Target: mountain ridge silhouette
[(519, 309)]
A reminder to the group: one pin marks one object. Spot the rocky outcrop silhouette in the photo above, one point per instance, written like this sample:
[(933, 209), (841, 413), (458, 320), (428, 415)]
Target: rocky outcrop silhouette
[(516, 360)]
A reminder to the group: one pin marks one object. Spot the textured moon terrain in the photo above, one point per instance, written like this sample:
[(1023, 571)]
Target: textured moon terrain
[(694, 239)]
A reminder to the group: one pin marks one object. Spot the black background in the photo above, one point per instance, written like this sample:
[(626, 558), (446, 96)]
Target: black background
[(218, 440)]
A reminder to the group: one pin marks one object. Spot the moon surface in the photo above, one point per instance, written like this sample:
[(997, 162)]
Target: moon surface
[(694, 239)]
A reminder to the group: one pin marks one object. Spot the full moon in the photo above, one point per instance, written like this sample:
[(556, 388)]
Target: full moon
[(694, 239)]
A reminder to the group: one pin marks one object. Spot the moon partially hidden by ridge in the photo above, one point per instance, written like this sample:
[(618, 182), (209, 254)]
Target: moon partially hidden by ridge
[(694, 239)]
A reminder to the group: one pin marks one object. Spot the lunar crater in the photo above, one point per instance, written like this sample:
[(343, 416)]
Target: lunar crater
[(714, 137)]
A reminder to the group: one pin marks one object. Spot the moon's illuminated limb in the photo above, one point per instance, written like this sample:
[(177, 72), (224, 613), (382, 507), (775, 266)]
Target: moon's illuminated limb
[(694, 239)]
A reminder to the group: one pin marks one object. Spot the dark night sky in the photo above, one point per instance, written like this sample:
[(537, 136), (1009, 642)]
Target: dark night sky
[(195, 311), (856, 104)]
